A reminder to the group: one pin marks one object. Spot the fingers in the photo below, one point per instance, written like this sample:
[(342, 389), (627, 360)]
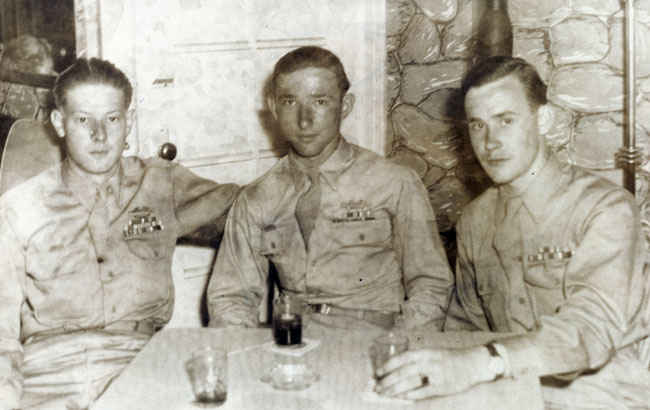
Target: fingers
[(400, 387), (407, 378), (423, 392), (395, 362)]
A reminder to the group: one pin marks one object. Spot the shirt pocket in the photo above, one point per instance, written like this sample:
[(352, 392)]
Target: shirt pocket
[(149, 247), (548, 275), (56, 262), (369, 232), (276, 243)]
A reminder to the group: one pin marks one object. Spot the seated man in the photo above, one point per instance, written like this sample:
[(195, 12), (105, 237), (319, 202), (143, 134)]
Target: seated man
[(87, 247), (349, 232), (550, 253)]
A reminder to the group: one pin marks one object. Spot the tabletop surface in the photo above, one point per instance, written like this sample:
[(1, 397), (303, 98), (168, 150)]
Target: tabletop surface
[(156, 378)]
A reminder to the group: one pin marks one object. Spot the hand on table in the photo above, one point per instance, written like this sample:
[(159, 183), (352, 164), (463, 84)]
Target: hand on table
[(421, 374)]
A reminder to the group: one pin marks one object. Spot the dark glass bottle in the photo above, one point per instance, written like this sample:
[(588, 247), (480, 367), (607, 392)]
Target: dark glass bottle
[(495, 30)]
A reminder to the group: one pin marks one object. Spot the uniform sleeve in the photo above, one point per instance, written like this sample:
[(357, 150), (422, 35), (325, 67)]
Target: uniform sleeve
[(11, 299), (199, 201), (426, 274), (605, 292), (465, 311), (240, 273)]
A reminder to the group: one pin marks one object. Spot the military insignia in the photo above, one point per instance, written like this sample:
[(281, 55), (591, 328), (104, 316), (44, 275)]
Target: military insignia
[(142, 221), (547, 254), (354, 211)]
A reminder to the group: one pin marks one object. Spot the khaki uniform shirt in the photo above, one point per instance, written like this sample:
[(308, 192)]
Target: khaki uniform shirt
[(561, 263), (76, 256), (375, 242)]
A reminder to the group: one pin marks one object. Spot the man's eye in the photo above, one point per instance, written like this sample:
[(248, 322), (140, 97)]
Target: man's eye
[(506, 121), (113, 118), (476, 126), (288, 102), (321, 101), (82, 120)]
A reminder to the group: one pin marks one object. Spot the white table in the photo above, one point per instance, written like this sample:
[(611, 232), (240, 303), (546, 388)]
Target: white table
[(156, 378)]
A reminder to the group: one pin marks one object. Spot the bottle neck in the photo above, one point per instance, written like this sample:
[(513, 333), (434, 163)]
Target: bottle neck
[(498, 5)]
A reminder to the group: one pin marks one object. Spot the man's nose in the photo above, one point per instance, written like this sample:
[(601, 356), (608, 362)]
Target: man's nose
[(492, 140), (97, 131), (305, 116)]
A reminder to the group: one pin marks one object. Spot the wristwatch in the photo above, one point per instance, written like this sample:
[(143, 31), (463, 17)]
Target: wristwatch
[(497, 364)]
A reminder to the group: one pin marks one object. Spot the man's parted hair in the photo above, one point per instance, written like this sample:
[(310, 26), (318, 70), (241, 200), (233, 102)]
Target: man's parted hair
[(495, 68), (310, 56), (93, 71)]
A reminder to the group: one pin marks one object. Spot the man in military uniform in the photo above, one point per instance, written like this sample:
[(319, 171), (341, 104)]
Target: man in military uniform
[(350, 233), (551, 253), (87, 247)]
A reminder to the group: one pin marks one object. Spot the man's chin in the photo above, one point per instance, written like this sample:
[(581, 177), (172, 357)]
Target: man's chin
[(306, 152)]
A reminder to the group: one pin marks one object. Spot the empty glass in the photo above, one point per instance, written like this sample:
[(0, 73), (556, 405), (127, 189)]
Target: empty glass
[(386, 346), (208, 374)]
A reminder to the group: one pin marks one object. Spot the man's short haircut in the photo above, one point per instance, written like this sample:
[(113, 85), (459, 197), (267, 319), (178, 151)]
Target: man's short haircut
[(93, 71), (495, 68), (311, 56)]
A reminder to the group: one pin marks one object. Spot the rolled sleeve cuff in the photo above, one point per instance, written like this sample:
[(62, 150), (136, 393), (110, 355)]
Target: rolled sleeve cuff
[(417, 314), (232, 317)]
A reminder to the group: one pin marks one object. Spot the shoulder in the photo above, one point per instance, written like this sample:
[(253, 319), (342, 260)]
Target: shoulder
[(25, 204), (480, 206), (592, 194), (34, 187), (588, 189), (376, 165), (269, 185)]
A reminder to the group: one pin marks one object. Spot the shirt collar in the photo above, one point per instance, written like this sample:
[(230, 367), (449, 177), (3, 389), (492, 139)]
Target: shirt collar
[(86, 191), (333, 166), (537, 194)]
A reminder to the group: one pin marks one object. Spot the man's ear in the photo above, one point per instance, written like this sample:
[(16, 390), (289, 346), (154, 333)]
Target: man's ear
[(56, 117), (270, 102), (347, 104), (545, 119)]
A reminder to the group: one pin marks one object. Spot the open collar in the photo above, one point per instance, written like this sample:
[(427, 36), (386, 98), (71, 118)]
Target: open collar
[(85, 190), (535, 198)]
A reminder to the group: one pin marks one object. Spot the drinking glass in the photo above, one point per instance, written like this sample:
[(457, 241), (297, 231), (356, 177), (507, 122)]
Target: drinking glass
[(208, 374), (386, 346), (287, 320)]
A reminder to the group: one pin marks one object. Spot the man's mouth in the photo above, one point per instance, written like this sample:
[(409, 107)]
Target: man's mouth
[(307, 138), (99, 152), (495, 160)]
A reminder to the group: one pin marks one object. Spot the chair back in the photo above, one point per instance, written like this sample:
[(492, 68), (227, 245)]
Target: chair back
[(31, 148)]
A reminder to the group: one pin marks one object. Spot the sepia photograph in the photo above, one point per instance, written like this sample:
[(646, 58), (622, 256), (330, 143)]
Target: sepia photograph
[(324, 204)]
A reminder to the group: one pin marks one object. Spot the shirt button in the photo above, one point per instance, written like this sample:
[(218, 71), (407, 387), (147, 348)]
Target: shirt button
[(100, 259), (522, 300), (111, 274), (109, 190), (362, 237), (113, 309)]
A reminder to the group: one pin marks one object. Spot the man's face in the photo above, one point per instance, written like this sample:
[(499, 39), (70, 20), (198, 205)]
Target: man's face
[(309, 106), (503, 129), (94, 123)]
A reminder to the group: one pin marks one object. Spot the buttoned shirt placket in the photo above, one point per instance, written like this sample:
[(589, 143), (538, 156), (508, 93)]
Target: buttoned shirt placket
[(508, 244)]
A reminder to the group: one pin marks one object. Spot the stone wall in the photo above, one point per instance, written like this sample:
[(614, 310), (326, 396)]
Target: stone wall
[(577, 47)]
